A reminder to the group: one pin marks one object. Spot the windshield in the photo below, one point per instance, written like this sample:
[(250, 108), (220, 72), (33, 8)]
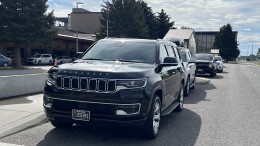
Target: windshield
[(132, 51), (183, 56), (218, 58), (207, 57), (37, 56)]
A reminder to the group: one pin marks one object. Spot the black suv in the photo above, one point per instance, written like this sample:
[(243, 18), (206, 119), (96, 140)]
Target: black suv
[(117, 80), (206, 64)]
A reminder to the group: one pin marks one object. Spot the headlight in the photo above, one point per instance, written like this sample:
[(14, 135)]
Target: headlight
[(210, 65), (52, 75), (132, 83)]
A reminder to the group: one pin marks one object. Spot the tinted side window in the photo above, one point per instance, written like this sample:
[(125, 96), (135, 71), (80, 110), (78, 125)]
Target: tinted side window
[(170, 51), (46, 56), (163, 53)]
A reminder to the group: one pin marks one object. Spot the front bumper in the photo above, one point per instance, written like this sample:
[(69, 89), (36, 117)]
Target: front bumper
[(108, 107), (203, 70)]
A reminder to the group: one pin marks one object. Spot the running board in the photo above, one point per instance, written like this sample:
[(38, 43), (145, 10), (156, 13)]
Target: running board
[(170, 108)]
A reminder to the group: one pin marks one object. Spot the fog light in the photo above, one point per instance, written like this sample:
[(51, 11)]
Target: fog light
[(127, 109), (121, 112), (47, 101), (48, 105)]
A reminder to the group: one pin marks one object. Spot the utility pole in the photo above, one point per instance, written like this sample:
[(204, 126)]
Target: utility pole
[(77, 40), (247, 49), (252, 49)]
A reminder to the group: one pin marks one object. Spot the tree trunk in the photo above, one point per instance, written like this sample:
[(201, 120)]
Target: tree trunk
[(17, 54)]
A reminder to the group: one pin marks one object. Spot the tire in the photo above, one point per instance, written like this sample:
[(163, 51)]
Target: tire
[(152, 125), (212, 74), (187, 87), (180, 100), (194, 84), (50, 62), (221, 70), (59, 124), (39, 62), (215, 73), (5, 65)]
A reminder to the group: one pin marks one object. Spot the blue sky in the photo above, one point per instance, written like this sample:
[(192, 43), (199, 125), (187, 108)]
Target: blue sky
[(243, 15)]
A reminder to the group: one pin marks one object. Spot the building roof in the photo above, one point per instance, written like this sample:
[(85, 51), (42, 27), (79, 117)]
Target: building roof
[(179, 33), (65, 33)]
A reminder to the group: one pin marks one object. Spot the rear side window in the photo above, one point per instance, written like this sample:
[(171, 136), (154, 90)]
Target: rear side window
[(46, 55), (183, 56), (170, 51)]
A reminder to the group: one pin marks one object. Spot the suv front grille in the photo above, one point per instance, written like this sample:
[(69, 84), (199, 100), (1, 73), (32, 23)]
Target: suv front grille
[(86, 84)]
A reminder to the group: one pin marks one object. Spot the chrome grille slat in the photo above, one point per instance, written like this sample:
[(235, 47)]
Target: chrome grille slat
[(85, 84)]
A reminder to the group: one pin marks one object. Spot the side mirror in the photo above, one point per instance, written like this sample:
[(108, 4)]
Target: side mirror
[(170, 60), (167, 61), (192, 60)]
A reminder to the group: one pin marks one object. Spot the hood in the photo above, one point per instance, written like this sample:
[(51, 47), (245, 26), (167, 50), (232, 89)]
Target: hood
[(106, 66), (203, 61)]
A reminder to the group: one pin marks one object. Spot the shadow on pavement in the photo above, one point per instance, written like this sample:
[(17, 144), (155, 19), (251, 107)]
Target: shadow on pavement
[(199, 94), (224, 72), (218, 76), (176, 129)]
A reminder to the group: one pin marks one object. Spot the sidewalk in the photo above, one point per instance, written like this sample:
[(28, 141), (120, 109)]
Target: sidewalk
[(19, 113)]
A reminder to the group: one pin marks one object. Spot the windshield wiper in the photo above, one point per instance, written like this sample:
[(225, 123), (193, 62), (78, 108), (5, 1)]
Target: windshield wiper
[(135, 61), (95, 59)]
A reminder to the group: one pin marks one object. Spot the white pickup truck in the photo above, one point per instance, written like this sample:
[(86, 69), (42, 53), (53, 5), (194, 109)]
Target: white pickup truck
[(190, 68)]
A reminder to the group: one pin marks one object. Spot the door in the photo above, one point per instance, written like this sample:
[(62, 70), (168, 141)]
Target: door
[(175, 74), (179, 72), (168, 76)]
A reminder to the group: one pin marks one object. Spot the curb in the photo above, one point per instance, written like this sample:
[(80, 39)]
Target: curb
[(29, 123), (201, 81)]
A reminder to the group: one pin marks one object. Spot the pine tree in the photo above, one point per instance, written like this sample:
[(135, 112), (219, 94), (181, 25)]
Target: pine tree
[(126, 19), (227, 44), (24, 23), (164, 23), (150, 20)]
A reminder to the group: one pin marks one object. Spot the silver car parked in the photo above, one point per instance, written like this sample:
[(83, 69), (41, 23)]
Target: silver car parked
[(5, 61)]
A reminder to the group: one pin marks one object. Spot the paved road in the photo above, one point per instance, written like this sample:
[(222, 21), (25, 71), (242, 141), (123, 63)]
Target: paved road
[(224, 112)]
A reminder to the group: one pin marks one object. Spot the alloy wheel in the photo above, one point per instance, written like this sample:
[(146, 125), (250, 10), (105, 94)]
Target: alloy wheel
[(156, 117)]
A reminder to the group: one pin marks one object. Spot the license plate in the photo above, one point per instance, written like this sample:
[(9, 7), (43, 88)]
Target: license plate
[(80, 115), (200, 70)]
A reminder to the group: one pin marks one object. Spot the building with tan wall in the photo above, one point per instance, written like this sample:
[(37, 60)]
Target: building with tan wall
[(84, 21)]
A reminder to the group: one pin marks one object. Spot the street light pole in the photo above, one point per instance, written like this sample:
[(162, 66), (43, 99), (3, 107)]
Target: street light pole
[(107, 17), (77, 40)]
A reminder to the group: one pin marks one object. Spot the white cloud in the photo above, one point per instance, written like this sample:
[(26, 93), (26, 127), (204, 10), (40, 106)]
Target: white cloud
[(247, 29)]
